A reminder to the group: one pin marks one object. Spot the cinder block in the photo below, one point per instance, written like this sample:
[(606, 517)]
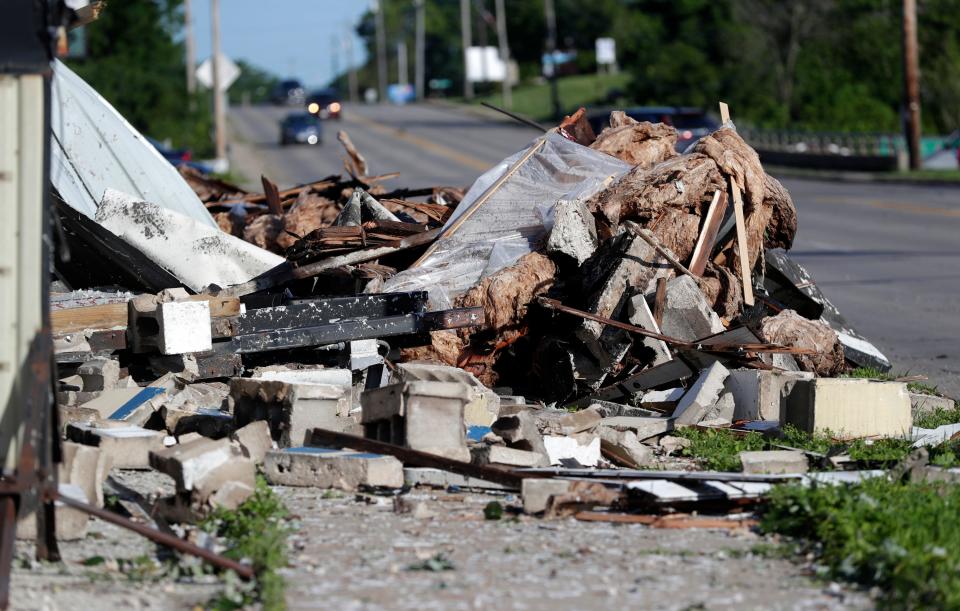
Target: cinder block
[(86, 467), (127, 447), (99, 374), (292, 410), (329, 468), (71, 524), (850, 408), (424, 416), (169, 326), (484, 404), (518, 428), (625, 448), (702, 395), (762, 395), (204, 466), (254, 440), (644, 428), (509, 457), (537, 492), (774, 462)]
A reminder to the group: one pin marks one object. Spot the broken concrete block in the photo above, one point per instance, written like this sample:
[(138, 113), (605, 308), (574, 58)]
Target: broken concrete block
[(185, 366), (322, 376), (254, 440), (71, 524), (292, 410), (642, 427), (686, 313), (329, 468), (928, 404), (622, 446), (484, 405), (850, 408), (87, 467), (640, 315), (204, 466), (170, 327), (519, 430), (574, 232), (774, 462), (638, 265), (762, 395), (131, 405), (537, 493), (609, 409), (508, 457), (364, 353), (577, 422), (671, 444), (211, 423), (424, 416), (99, 374), (584, 448), (702, 395), (721, 412), (127, 447)]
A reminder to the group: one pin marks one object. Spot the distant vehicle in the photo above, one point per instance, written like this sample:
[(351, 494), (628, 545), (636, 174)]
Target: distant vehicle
[(324, 103), (690, 123), (288, 93), (178, 157), (300, 128)]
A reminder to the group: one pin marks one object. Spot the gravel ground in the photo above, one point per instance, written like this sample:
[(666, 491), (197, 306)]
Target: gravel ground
[(353, 551)]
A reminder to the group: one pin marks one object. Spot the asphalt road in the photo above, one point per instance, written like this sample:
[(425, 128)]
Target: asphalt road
[(887, 255)]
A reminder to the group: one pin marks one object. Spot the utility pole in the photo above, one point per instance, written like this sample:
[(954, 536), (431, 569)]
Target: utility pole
[(911, 83), (334, 59), (551, 15), (504, 52), (381, 55), (219, 110), (189, 48), (402, 62), (465, 37), (419, 50), (351, 68)]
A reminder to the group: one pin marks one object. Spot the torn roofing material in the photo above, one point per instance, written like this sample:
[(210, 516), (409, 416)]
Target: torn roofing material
[(196, 254), (94, 148)]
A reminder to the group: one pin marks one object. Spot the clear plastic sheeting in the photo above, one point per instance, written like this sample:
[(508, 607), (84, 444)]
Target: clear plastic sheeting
[(515, 220), (93, 149)]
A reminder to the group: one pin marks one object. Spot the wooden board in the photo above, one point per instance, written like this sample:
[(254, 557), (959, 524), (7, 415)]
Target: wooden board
[(708, 237), (742, 250), (114, 315)]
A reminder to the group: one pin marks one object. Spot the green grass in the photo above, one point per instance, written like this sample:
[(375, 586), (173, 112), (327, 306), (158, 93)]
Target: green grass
[(255, 532), (876, 374), (717, 449), (902, 537), (588, 90)]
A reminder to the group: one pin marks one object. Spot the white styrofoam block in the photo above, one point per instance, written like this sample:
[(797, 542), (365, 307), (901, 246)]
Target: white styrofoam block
[(561, 447)]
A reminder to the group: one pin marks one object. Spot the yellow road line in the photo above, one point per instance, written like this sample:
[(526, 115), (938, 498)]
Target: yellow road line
[(467, 161), (889, 205)]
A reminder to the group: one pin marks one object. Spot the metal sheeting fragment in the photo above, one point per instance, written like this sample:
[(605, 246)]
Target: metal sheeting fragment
[(196, 254), (93, 149), (514, 221)]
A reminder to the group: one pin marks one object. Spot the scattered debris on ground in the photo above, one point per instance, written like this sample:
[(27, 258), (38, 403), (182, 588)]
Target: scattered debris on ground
[(611, 329)]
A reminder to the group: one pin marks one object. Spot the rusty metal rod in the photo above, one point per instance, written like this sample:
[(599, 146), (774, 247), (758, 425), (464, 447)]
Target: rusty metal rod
[(243, 570)]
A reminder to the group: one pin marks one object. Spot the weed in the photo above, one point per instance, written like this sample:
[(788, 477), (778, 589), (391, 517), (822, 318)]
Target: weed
[(719, 450), (493, 511), (436, 564), (879, 451), (938, 417), (256, 532), (901, 537)]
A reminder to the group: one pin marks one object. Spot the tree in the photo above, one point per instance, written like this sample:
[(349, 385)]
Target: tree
[(135, 63)]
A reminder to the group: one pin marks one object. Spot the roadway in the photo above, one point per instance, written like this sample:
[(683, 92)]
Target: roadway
[(887, 255)]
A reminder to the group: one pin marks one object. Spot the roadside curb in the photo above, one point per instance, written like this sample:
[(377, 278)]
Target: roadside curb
[(861, 177)]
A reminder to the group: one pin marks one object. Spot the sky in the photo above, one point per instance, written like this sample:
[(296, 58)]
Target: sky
[(291, 38)]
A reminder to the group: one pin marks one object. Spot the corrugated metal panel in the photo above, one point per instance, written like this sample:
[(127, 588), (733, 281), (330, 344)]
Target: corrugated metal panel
[(94, 149)]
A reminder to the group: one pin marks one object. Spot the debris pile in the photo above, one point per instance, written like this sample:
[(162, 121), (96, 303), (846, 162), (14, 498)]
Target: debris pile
[(550, 330)]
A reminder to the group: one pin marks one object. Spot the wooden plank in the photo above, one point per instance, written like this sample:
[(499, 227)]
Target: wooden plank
[(708, 237), (659, 301), (724, 113), (743, 251), (272, 194), (106, 316)]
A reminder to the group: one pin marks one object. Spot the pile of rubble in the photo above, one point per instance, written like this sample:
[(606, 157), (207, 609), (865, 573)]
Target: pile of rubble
[(545, 331)]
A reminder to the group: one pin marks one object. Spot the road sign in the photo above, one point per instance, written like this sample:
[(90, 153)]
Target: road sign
[(606, 49), (229, 72)]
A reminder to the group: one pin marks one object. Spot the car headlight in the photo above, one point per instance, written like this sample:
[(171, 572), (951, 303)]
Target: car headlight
[(313, 108)]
